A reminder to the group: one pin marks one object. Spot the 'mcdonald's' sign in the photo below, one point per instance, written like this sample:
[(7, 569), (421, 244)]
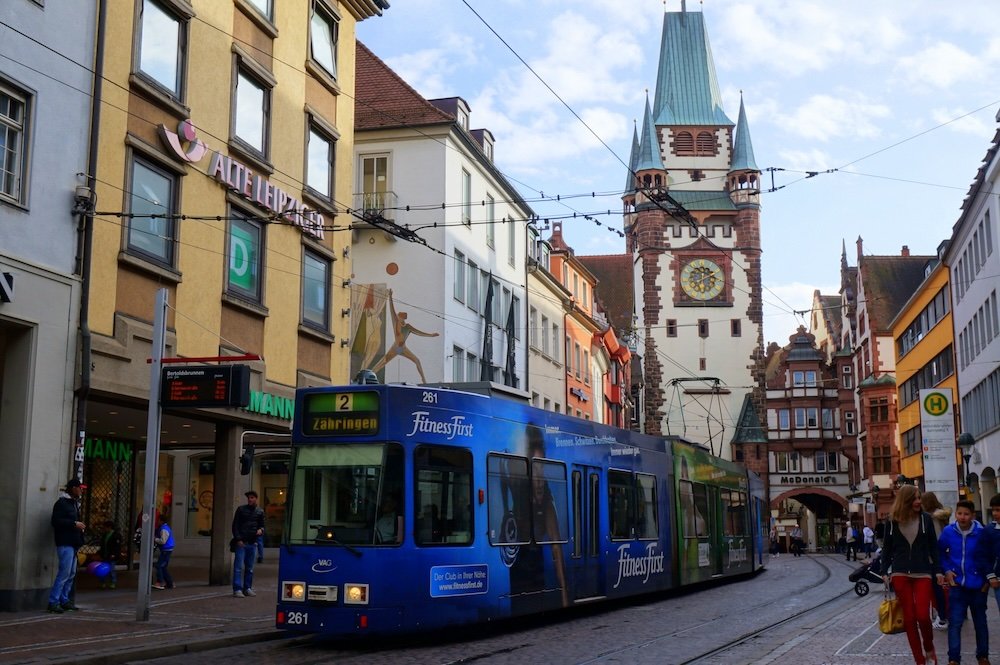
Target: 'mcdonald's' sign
[(240, 178)]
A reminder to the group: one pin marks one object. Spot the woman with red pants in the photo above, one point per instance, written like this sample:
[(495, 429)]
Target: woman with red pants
[(911, 559)]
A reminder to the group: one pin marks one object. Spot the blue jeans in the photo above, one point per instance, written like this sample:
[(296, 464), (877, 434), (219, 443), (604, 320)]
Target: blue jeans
[(243, 561), (960, 598), (63, 585), (162, 574), (260, 548)]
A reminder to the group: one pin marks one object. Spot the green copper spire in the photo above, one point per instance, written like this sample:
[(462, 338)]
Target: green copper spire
[(649, 144), (742, 146)]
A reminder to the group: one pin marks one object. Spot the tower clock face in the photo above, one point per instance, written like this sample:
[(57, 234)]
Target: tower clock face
[(702, 279)]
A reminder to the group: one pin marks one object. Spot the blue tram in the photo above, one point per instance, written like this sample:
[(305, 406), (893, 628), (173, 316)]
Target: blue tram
[(412, 508)]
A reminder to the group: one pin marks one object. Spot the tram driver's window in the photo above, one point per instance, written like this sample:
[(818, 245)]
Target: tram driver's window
[(442, 496), (509, 503)]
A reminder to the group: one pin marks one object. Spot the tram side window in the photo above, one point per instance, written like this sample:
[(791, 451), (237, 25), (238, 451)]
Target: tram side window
[(509, 505), (736, 503), (550, 511), (694, 508), (647, 524), (443, 495), (620, 504)]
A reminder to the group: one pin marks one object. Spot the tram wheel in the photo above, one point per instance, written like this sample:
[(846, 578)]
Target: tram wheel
[(861, 588)]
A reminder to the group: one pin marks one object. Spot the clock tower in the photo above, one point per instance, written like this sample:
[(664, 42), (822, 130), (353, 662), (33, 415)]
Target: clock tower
[(692, 219)]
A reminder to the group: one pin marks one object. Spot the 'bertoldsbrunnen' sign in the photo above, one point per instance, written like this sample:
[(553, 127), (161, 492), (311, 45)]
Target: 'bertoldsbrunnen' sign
[(240, 178)]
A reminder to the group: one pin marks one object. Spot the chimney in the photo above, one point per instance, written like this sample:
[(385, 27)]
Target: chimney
[(906, 251)]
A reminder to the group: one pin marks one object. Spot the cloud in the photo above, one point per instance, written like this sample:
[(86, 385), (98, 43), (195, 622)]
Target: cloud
[(958, 121), (805, 160), (826, 117), (941, 65)]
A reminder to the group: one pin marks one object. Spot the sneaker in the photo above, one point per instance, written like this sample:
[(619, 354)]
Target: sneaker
[(249, 593), (982, 660), (939, 624), (238, 594), (69, 607), (55, 609), (159, 586)]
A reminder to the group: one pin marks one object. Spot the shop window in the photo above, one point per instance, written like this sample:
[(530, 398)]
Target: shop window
[(201, 487)]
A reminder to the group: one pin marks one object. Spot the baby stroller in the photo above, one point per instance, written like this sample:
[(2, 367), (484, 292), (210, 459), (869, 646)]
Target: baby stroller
[(869, 572)]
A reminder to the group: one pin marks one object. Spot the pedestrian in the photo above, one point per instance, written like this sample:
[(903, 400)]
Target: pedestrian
[(248, 526), (797, 543), (111, 552), (993, 533), (773, 537), (868, 538), (68, 528), (164, 541), (941, 517), (910, 559), (851, 538), (966, 558)]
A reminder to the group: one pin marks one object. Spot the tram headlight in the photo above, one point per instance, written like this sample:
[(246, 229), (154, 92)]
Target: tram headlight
[(293, 591), (355, 594)]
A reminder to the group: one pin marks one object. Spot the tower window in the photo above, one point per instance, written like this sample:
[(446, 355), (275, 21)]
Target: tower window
[(671, 327), (735, 327), (684, 144), (706, 144), (702, 327)]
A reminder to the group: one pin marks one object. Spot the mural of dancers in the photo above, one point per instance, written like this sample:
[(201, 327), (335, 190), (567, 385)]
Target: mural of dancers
[(401, 330)]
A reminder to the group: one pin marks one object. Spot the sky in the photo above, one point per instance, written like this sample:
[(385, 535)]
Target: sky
[(897, 99)]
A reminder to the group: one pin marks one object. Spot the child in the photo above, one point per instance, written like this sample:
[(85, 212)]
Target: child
[(967, 558), (164, 539), (110, 552)]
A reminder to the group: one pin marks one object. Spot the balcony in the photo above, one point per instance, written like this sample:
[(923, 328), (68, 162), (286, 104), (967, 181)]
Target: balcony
[(374, 204)]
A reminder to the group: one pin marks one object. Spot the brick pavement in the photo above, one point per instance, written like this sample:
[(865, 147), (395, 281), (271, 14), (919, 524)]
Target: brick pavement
[(193, 616)]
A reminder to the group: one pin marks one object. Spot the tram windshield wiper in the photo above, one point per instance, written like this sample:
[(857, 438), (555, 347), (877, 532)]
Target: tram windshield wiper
[(325, 534)]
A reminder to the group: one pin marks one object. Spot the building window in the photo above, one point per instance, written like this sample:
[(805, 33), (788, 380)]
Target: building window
[(323, 36), (245, 257), (706, 144), (702, 327), (812, 417), (847, 378), (702, 364), (671, 327), (457, 364), (577, 361), (736, 328), (490, 221), (683, 144), (827, 418), (849, 428), (811, 378), (458, 288), (466, 198), (151, 207), (472, 299), (881, 457), (320, 162), (14, 113), (251, 110), (784, 419), (798, 379), (264, 7), (515, 305), (800, 418), (161, 46), (545, 335), (374, 182), (827, 461), (878, 410), (555, 341), (511, 240), (315, 291)]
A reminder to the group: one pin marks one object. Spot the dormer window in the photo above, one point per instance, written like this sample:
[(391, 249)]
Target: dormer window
[(463, 118)]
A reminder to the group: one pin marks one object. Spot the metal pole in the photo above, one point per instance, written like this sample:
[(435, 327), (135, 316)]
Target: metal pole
[(152, 459)]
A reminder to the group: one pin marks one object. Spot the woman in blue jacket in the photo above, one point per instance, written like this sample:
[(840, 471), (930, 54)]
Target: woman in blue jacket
[(911, 560), (967, 558)]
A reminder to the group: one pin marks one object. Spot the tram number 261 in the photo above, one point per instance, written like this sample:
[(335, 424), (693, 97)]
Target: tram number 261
[(297, 618)]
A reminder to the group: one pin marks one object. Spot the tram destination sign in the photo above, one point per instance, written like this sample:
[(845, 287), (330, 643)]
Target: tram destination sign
[(201, 386), (341, 414)]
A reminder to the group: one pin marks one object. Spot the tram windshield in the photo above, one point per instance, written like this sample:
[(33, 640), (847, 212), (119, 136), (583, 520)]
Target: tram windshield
[(347, 494)]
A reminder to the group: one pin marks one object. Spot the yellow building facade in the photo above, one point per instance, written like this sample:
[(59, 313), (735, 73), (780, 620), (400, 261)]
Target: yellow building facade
[(224, 176), (923, 339)]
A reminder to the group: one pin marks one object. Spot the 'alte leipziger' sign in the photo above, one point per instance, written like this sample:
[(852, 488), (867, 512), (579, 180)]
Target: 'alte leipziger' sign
[(241, 179)]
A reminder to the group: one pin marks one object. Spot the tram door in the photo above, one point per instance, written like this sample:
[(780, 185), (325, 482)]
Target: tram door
[(585, 561), (717, 527)]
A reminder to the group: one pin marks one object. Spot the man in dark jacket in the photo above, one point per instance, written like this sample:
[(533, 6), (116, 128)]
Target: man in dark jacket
[(69, 538), (248, 525)]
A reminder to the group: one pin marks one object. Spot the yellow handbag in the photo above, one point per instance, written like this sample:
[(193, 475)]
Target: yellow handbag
[(890, 614)]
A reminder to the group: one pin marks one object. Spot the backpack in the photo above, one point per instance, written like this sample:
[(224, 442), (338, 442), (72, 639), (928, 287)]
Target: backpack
[(854, 533)]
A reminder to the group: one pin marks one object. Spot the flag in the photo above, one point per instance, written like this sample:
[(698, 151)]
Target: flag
[(511, 377), (486, 361)]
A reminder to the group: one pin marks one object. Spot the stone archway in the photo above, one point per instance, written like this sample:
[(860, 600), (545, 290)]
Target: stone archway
[(824, 514)]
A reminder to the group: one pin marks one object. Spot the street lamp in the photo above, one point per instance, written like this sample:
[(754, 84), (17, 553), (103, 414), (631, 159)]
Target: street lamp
[(965, 442)]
